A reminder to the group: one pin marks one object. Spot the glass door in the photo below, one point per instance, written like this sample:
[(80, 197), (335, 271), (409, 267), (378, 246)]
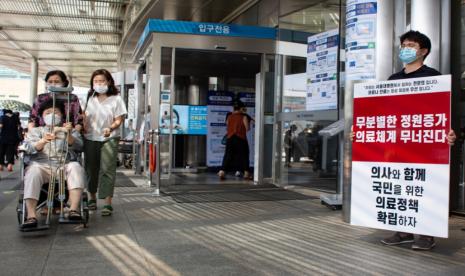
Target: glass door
[(304, 156), (166, 117), (307, 94)]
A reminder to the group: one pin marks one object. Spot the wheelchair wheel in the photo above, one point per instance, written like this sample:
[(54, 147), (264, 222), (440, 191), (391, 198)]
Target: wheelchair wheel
[(86, 218), (128, 163), (19, 211), (85, 210)]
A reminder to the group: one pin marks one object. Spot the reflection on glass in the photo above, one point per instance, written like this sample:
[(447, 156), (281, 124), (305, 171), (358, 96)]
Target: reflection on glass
[(295, 84), (303, 154), (317, 18), (307, 158)]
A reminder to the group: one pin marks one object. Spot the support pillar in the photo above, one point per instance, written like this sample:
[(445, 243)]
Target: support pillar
[(426, 18), (34, 79), (434, 18)]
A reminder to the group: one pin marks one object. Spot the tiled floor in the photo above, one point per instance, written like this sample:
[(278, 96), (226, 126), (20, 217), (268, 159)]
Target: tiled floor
[(228, 229)]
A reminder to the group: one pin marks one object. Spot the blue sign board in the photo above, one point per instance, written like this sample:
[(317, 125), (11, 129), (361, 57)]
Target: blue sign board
[(187, 119), (197, 123), (203, 28), (317, 45)]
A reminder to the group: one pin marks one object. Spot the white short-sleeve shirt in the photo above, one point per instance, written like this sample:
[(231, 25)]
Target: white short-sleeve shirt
[(100, 115)]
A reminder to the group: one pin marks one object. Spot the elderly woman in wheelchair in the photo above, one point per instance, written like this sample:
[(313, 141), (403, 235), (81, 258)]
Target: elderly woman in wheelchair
[(53, 153)]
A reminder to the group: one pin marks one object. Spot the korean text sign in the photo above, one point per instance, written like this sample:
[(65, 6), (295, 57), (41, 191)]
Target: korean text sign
[(400, 155)]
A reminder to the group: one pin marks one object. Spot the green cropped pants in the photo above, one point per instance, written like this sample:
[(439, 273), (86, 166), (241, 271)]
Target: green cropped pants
[(100, 163)]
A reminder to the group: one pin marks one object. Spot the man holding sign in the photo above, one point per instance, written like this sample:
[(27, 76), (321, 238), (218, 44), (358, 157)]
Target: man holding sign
[(401, 131)]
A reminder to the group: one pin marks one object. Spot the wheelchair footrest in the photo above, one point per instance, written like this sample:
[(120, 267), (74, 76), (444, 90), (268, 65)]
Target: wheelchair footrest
[(69, 221), (34, 229)]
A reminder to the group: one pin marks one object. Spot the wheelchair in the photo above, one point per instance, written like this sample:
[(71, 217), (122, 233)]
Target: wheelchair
[(125, 149), (52, 195)]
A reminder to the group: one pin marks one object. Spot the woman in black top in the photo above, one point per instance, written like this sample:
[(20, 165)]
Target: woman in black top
[(9, 138)]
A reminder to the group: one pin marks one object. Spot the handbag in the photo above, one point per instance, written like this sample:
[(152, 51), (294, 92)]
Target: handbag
[(224, 140)]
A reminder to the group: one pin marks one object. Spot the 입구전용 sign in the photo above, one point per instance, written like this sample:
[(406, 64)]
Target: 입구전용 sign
[(400, 155)]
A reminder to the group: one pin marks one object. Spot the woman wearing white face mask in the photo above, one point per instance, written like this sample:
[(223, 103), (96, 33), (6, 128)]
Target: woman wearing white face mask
[(103, 114), (56, 78)]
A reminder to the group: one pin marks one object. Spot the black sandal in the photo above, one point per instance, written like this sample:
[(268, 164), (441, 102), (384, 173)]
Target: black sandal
[(74, 215), (30, 223)]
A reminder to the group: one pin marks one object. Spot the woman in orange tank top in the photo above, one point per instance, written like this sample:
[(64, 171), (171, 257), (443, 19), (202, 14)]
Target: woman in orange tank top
[(236, 155)]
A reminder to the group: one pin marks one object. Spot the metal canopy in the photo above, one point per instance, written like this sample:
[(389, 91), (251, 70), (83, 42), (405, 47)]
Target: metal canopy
[(79, 36), (141, 11), (76, 36)]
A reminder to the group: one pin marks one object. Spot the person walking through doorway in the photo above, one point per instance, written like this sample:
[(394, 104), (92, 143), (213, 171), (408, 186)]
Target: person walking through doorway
[(236, 155)]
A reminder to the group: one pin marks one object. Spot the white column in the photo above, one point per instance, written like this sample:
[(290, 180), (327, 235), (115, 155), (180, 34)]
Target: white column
[(34, 79), (400, 27), (426, 18), (445, 36), (384, 39)]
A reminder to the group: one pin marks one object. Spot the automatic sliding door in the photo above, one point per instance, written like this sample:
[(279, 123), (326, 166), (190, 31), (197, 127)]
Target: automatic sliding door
[(206, 84)]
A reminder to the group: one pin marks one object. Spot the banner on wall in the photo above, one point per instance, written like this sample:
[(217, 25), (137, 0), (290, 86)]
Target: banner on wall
[(322, 58), (361, 39), (219, 104), (400, 155)]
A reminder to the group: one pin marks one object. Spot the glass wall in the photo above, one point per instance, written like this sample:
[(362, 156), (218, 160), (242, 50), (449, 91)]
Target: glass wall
[(305, 157), (166, 99), (312, 17)]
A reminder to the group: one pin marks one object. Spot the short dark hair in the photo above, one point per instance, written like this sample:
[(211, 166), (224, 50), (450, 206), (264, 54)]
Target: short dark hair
[(59, 73), (421, 39), (112, 90), (49, 104), (238, 105)]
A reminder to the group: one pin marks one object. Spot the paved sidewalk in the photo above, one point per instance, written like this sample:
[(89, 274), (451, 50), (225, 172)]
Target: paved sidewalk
[(229, 230)]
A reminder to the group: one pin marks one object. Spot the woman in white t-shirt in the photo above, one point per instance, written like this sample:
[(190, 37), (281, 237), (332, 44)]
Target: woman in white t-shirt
[(104, 113)]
